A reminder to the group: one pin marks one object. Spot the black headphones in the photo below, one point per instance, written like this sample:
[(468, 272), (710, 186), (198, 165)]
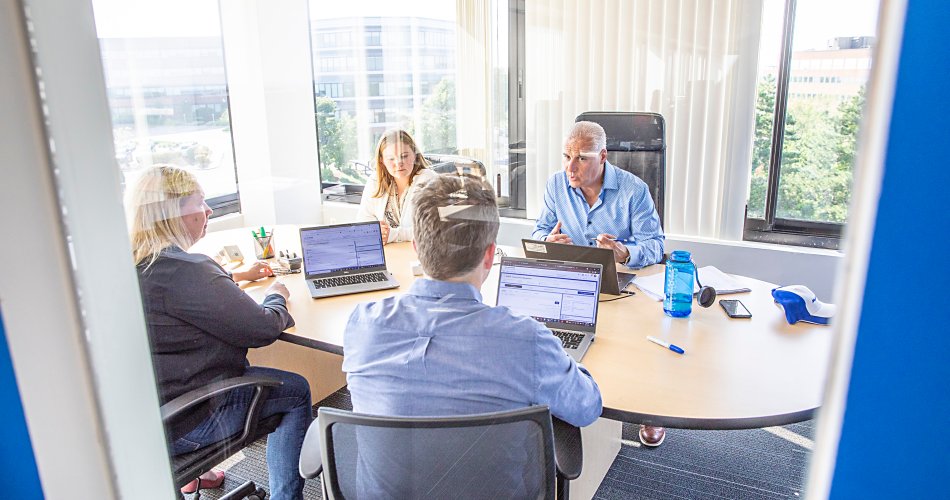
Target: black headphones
[(707, 294)]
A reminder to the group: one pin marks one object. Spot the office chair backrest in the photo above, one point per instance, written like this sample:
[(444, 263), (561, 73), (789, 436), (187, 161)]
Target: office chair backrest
[(505, 454), (455, 164), (636, 142)]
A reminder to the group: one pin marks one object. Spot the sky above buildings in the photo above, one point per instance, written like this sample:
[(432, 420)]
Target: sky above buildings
[(164, 18)]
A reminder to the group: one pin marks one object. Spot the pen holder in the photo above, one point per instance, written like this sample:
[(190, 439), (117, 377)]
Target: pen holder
[(263, 249)]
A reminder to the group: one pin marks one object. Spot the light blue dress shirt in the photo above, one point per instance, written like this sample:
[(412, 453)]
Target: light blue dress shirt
[(624, 209), (439, 351)]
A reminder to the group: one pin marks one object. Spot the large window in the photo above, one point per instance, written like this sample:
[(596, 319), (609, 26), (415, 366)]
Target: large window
[(814, 64), (380, 65), (167, 91), (434, 68)]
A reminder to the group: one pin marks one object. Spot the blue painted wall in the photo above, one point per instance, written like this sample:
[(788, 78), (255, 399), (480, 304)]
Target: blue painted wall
[(895, 441), (17, 465)]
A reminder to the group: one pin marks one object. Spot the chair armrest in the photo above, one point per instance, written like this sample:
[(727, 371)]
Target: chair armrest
[(568, 449), (311, 461), (190, 399)]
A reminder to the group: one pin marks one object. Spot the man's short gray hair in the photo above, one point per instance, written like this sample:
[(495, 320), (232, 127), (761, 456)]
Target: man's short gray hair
[(588, 132), (455, 220)]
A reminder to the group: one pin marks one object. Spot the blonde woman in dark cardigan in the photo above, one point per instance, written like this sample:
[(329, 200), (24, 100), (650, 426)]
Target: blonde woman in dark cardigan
[(201, 324)]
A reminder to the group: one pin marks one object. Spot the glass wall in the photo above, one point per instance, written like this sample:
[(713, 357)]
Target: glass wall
[(167, 91)]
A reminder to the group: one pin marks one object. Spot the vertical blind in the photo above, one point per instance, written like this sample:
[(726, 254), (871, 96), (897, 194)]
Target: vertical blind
[(473, 85), (692, 61)]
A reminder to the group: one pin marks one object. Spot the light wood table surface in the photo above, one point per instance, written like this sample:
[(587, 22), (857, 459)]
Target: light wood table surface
[(736, 373)]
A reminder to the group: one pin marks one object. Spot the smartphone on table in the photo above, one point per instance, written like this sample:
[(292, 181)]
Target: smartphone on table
[(735, 308)]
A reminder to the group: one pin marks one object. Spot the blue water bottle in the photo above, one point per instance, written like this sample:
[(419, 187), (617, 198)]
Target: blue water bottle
[(678, 289)]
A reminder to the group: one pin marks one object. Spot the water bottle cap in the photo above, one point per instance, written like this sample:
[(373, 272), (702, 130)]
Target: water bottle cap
[(680, 256)]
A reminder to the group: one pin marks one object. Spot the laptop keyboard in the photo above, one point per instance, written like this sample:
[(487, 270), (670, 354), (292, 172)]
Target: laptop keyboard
[(570, 340), (355, 279)]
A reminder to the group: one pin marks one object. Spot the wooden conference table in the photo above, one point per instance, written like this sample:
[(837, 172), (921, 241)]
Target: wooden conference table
[(736, 373)]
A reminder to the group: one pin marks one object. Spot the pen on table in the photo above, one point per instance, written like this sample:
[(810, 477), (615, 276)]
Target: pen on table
[(674, 348), (621, 240)]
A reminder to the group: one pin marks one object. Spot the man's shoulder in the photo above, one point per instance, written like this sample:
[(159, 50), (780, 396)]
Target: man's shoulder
[(628, 180), (376, 308), (395, 310), (515, 324), (625, 175), (557, 178), (425, 175)]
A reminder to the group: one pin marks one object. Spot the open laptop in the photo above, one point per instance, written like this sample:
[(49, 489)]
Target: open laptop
[(344, 258), (562, 295), (613, 281)]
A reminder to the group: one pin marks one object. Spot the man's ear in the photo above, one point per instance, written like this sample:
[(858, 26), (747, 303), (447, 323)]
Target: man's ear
[(603, 156), (489, 258)]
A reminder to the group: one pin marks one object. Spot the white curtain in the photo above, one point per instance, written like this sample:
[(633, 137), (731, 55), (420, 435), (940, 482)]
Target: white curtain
[(472, 79), (692, 61)]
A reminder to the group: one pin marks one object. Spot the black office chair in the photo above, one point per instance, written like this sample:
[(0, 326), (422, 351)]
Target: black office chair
[(491, 455), (455, 164), (188, 466), (636, 142)]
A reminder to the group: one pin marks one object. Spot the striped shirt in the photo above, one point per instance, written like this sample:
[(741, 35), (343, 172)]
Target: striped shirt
[(623, 209)]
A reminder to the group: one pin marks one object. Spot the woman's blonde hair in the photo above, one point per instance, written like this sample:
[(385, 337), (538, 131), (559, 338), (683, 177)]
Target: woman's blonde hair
[(153, 207), (386, 181)]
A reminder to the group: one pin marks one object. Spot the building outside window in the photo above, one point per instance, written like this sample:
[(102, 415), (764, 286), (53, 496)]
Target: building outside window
[(167, 91), (401, 75), (810, 100)]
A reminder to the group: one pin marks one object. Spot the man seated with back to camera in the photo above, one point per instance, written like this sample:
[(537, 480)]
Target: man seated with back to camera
[(438, 350), (591, 202)]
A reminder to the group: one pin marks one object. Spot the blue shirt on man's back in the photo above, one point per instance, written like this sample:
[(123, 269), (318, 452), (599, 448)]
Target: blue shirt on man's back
[(439, 351), (624, 209)]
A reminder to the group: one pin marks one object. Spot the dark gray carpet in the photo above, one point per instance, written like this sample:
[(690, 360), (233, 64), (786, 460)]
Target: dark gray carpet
[(750, 464)]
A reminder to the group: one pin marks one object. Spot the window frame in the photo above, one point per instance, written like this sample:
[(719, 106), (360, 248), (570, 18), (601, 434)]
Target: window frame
[(771, 228), (225, 204), (517, 122)]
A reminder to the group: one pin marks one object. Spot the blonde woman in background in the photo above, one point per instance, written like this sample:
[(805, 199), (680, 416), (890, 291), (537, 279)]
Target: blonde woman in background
[(388, 196), (201, 324)]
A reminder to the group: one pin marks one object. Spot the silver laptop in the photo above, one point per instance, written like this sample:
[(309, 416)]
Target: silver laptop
[(613, 281), (562, 295), (344, 258)]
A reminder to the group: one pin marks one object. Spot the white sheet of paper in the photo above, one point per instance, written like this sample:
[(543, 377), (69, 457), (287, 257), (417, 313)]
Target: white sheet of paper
[(652, 286)]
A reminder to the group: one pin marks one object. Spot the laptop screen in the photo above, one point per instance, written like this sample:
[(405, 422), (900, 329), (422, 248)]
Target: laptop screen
[(558, 294), (344, 247)]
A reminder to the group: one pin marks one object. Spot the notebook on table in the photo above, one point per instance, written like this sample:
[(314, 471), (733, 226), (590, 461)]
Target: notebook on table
[(613, 282), (561, 295), (344, 258)]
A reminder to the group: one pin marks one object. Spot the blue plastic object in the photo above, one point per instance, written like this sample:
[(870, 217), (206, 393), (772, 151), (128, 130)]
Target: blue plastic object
[(678, 287), (801, 304)]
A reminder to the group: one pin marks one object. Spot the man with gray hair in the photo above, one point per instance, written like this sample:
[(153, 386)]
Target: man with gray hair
[(592, 202), (437, 350)]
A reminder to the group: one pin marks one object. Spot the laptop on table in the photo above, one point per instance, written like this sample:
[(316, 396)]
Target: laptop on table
[(562, 295), (613, 281), (344, 258)]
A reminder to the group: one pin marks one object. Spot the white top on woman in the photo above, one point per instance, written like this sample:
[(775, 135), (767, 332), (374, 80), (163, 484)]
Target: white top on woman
[(374, 209)]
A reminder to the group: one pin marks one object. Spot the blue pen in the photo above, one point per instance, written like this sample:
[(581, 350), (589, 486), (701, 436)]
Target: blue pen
[(621, 240), (676, 349)]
